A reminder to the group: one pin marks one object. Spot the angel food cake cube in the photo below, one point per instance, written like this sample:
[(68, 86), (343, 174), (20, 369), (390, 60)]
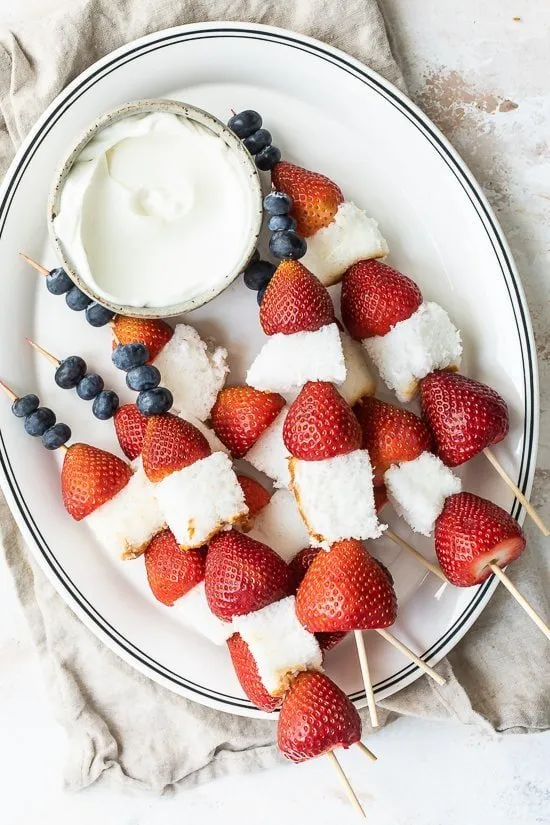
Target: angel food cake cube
[(126, 524), (352, 236), (280, 645), (426, 341), (418, 489), (287, 362), (269, 454), (335, 497), (194, 612), (193, 370), (280, 526), (200, 500), (359, 380)]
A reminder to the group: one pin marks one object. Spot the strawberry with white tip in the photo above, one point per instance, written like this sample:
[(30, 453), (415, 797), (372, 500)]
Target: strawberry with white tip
[(338, 232)]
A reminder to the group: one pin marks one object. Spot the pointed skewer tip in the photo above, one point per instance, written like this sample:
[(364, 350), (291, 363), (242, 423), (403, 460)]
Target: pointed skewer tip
[(51, 358)]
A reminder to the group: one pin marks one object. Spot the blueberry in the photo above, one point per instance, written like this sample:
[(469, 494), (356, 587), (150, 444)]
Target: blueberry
[(70, 371), (146, 377), (277, 203), (287, 244), (56, 436), (257, 141), (268, 158), (259, 274), (154, 402), (127, 356), (77, 300), (39, 421), (105, 405), (97, 315), (245, 123), (58, 282), (90, 386), (278, 223), (25, 405), (261, 293)]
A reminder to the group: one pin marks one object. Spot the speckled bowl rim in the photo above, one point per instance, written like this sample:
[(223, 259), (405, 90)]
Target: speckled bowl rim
[(183, 110)]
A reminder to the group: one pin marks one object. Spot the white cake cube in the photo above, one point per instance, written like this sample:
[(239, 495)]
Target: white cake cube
[(287, 362), (126, 524), (280, 526), (418, 489), (352, 236), (281, 646), (269, 454), (359, 380), (193, 370), (426, 341), (200, 500), (194, 612), (336, 497)]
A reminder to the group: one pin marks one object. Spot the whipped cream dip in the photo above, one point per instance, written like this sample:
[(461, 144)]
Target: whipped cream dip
[(156, 211)]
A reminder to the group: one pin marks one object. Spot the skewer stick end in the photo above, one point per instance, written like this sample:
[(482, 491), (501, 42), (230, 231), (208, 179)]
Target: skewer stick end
[(368, 753), (34, 264), (51, 358), (352, 796), (9, 392)]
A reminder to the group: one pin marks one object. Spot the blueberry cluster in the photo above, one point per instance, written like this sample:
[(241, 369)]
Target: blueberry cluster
[(59, 283), (41, 422), (72, 373), (143, 378), (247, 125), (285, 241)]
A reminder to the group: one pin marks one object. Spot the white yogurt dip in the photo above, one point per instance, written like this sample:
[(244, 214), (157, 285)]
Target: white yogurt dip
[(155, 211)]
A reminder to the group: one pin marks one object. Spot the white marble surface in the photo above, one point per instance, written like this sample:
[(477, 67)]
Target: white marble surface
[(484, 77)]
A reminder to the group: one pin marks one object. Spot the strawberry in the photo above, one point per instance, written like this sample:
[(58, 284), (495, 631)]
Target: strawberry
[(375, 298), (241, 414), (89, 478), (170, 444), (320, 424), (243, 575), (130, 427), (464, 415), (346, 589), (315, 198), (471, 532), (153, 332), (316, 717), (390, 435), (295, 301), (256, 497), (298, 567), (248, 676), (172, 572)]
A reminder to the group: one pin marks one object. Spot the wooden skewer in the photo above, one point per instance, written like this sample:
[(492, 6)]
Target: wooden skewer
[(530, 510), (35, 264), (346, 783), (521, 600), (364, 664), (51, 358), (368, 753), (406, 651), (433, 568), (10, 393)]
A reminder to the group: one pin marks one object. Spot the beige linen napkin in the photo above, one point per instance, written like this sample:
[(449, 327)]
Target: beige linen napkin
[(497, 677)]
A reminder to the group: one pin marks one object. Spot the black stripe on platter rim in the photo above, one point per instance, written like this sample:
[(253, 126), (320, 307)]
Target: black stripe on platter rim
[(493, 234)]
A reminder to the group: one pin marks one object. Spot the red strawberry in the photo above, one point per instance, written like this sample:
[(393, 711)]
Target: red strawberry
[(256, 497), (89, 478), (295, 301), (172, 572), (375, 297), (248, 676), (315, 198), (464, 415), (153, 332), (320, 424), (390, 435), (243, 575), (130, 426), (316, 717), (298, 567), (241, 414), (170, 444), (470, 533), (346, 589)]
